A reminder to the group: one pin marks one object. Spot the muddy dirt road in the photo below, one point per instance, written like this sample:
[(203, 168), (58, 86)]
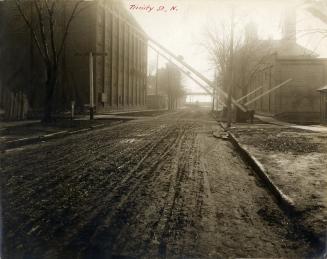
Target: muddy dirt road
[(157, 187)]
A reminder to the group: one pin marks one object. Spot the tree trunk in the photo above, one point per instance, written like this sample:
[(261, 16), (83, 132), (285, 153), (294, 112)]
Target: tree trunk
[(49, 91), (170, 102)]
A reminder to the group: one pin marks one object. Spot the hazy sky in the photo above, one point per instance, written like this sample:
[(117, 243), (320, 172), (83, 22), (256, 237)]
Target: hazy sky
[(181, 29)]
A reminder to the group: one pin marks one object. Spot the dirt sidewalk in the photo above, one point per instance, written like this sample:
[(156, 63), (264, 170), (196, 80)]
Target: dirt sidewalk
[(29, 133), (20, 133), (295, 161)]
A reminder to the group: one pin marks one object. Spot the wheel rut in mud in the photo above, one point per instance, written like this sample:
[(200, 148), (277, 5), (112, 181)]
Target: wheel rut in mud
[(153, 188)]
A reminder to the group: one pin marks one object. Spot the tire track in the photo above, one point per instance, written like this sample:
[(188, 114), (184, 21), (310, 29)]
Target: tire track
[(88, 163), (153, 185), (162, 229), (26, 225), (175, 192), (114, 198)]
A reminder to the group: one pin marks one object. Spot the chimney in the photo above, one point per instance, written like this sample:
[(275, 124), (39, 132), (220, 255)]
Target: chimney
[(289, 25), (251, 32)]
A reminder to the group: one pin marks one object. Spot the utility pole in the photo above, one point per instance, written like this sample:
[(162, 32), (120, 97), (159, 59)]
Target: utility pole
[(230, 89), (217, 92), (91, 55), (157, 100), (214, 93), (168, 84), (91, 85)]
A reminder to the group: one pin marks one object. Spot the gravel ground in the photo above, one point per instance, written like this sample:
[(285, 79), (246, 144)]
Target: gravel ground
[(151, 188), (296, 162)]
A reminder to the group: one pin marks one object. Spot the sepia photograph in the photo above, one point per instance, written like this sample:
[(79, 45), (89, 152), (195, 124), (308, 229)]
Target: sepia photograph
[(163, 129)]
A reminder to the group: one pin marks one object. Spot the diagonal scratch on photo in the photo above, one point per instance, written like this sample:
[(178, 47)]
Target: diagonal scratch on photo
[(163, 129)]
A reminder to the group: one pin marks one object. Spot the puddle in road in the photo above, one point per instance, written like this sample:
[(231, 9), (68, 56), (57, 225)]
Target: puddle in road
[(14, 149), (128, 140), (143, 135)]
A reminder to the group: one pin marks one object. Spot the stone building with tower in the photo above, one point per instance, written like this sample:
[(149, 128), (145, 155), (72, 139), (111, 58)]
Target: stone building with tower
[(284, 59), (120, 77)]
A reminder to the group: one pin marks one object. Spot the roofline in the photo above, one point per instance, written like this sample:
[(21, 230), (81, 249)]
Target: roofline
[(125, 18), (129, 14), (322, 89)]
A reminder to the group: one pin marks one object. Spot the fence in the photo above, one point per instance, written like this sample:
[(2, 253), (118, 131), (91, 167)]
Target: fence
[(13, 105)]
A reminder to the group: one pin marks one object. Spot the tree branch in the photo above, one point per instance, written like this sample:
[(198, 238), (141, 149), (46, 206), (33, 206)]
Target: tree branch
[(67, 28), (51, 28), (30, 26), (42, 31)]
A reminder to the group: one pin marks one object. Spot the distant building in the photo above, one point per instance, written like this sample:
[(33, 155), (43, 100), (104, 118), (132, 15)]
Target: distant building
[(156, 98), (298, 100), (101, 26), (323, 104), (165, 89)]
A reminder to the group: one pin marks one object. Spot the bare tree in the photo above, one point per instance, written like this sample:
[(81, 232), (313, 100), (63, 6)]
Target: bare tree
[(217, 43), (170, 84), (49, 37), (250, 55), (318, 8)]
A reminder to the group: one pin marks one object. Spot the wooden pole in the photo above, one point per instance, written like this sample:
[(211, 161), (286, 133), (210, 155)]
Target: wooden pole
[(91, 85), (157, 74), (91, 55), (190, 68), (230, 89), (157, 102), (271, 90), (207, 81), (243, 97)]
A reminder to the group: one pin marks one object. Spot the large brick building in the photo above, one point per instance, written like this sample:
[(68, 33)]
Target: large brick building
[(298, 100), (100, 26)]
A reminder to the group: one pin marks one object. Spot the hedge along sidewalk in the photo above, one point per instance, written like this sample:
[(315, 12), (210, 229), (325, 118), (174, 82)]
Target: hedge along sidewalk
[(294, 161), (21, 134)]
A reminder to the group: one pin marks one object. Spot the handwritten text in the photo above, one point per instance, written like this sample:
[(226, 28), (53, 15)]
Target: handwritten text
[(151, 8)]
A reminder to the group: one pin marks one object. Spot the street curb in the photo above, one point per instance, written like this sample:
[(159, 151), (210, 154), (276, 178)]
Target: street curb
[(286, 202), (33, 140)]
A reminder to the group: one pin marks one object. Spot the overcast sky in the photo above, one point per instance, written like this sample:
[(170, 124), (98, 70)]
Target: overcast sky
[(180, 25)]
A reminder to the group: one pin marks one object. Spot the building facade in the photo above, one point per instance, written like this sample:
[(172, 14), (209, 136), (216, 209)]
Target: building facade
[(298, 99), (323, 104), (100, 26), (120, 77), (281, 60)]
